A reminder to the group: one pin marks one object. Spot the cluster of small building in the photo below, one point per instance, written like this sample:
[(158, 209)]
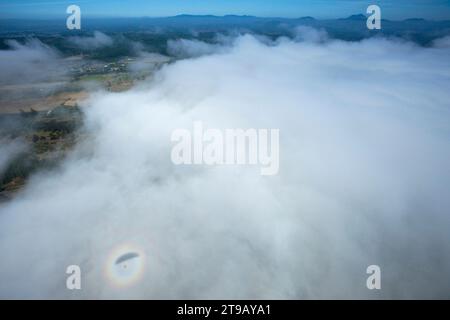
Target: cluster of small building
[(98, 67)]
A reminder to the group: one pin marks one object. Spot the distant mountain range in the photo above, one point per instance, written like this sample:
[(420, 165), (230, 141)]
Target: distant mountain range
[(351, 28)]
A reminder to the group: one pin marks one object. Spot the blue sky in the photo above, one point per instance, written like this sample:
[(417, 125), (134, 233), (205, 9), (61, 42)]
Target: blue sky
[(391, 9)]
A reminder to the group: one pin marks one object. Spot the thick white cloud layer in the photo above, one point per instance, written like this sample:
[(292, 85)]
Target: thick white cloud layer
[(364, 157), (191, 48)]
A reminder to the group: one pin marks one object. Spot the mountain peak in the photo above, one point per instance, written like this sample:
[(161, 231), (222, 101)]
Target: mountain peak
[(307, 18), (357, 17), (238, 16)]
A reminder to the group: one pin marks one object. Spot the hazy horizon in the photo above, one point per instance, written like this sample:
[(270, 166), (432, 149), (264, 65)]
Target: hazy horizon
[(54, 18), (393, 10)]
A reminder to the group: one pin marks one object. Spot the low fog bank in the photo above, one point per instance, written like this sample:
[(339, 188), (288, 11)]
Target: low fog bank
[(30, 62), (10, 148), (98, 40), (364, 157)]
